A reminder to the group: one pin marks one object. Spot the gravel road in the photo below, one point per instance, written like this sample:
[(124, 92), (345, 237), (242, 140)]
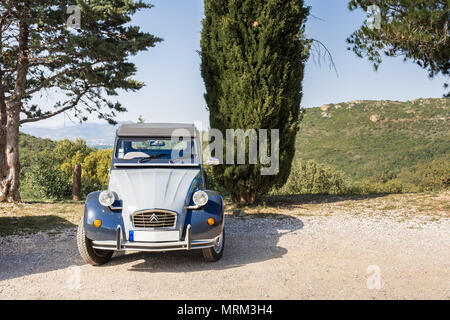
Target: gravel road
[(337, 256)]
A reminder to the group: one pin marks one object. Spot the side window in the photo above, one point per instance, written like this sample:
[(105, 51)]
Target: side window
[(120, 151)]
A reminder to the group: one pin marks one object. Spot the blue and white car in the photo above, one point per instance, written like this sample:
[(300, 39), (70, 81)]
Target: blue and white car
[(157, 197)]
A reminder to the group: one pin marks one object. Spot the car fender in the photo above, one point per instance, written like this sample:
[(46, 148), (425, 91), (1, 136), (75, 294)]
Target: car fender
[(111, 220), (198, 218)]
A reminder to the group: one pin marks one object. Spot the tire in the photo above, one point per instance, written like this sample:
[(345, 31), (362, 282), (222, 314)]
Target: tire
[(214, 254), (90, 255)]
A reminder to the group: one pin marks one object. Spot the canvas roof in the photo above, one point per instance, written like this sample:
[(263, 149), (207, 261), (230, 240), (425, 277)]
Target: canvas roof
[(157, 130)]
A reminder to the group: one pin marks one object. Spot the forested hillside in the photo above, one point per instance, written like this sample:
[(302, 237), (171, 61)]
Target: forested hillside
[(379, 141)]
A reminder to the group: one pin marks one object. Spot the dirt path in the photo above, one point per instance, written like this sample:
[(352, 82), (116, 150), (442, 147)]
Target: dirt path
[(325, 254)]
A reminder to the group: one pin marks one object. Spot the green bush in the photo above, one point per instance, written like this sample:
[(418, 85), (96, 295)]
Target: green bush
[(422, 177), (367, 186), (313, 178), (45, 179), (51, 172), (431, 176), (213, 184)]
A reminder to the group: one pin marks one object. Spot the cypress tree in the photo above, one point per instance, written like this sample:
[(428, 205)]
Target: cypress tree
[(253, 56)]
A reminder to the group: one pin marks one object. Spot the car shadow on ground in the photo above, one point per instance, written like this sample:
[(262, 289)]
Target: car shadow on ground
[(32, 224), (248, 240)]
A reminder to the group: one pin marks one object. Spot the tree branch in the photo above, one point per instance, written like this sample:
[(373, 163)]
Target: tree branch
[(48, 115), (330, 56)]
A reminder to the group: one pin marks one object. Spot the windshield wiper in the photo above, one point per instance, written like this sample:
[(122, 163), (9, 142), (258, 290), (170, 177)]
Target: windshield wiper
[(152, 157)]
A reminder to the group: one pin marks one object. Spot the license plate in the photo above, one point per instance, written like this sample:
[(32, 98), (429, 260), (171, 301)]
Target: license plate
[(153, 236)]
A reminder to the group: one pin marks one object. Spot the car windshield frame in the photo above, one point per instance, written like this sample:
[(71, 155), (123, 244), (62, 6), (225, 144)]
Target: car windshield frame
[(124, 146)]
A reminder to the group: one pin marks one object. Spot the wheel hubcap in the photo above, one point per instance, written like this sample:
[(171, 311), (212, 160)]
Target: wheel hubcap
[(100, 253)]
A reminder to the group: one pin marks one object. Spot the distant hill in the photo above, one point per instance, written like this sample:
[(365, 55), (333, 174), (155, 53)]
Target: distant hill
[(98, 135), (376, 139)]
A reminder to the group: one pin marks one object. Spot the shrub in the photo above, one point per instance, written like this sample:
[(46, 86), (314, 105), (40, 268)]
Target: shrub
[(314, 178), (432, 176), (213, 184), (51, 174), (368, 186), (45, 179)]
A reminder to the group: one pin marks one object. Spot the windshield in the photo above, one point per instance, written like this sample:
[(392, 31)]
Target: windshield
[(180, 150)]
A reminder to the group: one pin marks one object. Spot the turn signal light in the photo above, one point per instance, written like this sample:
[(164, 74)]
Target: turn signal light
[(211, 221), (97, 223)]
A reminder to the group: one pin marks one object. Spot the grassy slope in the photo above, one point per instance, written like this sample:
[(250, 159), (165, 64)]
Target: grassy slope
[(344, 137)]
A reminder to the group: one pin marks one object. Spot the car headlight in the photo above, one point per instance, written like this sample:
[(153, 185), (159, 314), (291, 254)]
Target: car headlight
[(200, 198), (106, 198)]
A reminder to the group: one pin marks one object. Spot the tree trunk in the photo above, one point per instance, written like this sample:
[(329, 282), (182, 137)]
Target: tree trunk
[(76, 191), (9, 184), (3, 170), (244, 198), (10, 122)]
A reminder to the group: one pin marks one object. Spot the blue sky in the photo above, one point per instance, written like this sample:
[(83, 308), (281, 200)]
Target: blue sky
[(174, 87)]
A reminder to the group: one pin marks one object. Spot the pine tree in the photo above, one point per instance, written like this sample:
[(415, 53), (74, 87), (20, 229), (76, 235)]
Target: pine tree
[(253, 56), (417, 30), (39, 54)]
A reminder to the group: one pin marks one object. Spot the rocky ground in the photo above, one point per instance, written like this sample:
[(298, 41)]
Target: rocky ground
[(390, 247)]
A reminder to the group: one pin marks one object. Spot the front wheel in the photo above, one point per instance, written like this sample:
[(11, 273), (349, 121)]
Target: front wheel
[(214, 253), (90, 255)]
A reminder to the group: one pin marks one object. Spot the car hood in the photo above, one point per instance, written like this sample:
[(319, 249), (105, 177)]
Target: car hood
[(153, 188)]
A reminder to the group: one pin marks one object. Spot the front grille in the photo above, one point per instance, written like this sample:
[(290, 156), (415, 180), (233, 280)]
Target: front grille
[(154, 219)]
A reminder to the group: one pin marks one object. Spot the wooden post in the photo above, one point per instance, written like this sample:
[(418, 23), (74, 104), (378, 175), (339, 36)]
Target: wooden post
[(77, 183)]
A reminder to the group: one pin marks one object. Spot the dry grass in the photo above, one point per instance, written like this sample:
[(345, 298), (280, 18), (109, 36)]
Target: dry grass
[(426, 206), (33, 217)]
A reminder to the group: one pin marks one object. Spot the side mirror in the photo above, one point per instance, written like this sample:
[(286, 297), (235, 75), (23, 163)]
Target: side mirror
[(213, 162)]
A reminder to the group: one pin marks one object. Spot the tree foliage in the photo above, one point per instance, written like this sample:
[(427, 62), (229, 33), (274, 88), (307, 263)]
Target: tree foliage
[(83, 68), (46, 180), (253, 55), (417, 30), (50, 173), (85, 65), (95, 167)]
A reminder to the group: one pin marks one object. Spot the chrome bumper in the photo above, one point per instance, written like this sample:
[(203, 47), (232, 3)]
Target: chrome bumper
[(187, 244)]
